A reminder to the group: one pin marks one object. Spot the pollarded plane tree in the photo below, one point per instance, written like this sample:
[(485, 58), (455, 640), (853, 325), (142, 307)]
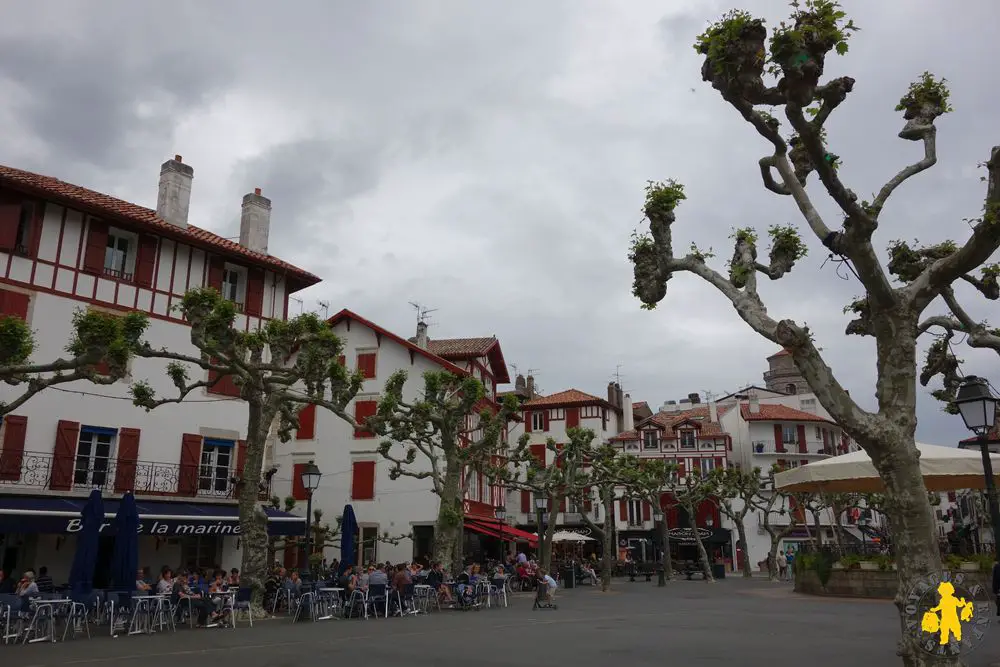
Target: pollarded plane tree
[(279, 369), (772, 503), (737, 58), (690, 492), (446, 431), (649, 481), (99, 349), (735, 491), (566, 478)]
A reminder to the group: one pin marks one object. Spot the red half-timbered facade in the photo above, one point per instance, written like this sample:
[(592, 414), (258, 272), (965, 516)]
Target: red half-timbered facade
[(63, 248)]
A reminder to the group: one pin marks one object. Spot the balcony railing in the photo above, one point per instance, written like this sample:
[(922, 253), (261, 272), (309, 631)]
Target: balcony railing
[(770, 447), (28, 471)]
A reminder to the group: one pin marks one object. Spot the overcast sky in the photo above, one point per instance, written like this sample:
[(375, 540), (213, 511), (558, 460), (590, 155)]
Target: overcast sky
[(488, 159)]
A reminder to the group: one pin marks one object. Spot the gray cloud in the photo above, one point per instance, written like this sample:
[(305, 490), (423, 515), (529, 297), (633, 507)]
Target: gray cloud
[(489, 159)]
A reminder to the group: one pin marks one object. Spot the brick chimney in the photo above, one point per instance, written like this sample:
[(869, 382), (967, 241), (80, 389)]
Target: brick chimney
[(530, 382), (754, 404), (612, 396), (173, 199), (255, 222), (619, 397), (520, 387), (713, 411)]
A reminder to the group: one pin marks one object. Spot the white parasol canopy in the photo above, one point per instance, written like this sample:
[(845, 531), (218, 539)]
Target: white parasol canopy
[(944, 469), (569, 536)]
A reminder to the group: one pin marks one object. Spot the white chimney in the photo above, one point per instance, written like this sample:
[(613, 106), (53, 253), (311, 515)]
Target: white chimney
[(754, 404), (713, 411), (255, 222), (173, 199), (629, 422), (422, 337)]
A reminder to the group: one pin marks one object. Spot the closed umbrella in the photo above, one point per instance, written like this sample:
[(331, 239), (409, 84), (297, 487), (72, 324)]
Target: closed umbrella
[(125, 559), (943, 469), (81, 575), (348, 529)]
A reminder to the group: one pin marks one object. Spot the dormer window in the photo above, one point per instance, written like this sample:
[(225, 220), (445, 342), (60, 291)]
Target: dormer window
[(688, 439), (650, 440)]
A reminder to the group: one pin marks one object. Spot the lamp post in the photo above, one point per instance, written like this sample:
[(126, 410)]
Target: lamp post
[(501, 514), (541, 504), (661, 576), (862, 525), (978, 407), (310, 476)]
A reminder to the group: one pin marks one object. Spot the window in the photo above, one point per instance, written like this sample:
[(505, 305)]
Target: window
[(707, 465), (368, 544), (203, 551), (234, 284), (363, 409), (93, 455), (538, 421), (790, 389), (808, 404), (119, 254), (631, 446), (366, 364), (787, 434), (22, 242), (650, 440), (688, 440), (473, 478), (635, 512), (216, 461), (363, 480)]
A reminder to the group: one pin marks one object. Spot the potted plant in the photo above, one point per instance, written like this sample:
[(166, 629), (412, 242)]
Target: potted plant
[(970, 566), (870, 565), (759, 447), (985, 562), (850, 561), (838, 565), (884, 562), (953, 562)]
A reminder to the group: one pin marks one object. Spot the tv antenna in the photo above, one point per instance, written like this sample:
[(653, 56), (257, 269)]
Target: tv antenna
[(325, 305), (422, 311), (514, 367), (298, 301), (618, 374)]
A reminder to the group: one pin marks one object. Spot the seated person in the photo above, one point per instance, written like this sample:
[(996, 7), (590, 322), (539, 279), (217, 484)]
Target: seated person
[(589, 571), (348, 581), (463, 585), (198, 605), (27, 589), (140, 583), (234, 577), (435, 579)]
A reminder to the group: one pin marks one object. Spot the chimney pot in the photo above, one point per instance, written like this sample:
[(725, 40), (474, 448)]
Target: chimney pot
[(629, 421), (255, 222), (422, 335), (173, 197), (531, 387)]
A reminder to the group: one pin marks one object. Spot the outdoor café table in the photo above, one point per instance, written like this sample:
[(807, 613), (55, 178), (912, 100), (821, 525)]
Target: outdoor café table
[(228, 600), (324, 602), (143, 608), (45, 612), (422, 597)]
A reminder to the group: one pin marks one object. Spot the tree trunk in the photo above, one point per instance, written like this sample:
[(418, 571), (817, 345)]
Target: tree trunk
[(449, 525), (706, 565), (253, 519), (838, 528), (608, 554), (666, 563), (772, 554), (818, 529), (550, 530), (741, 536)]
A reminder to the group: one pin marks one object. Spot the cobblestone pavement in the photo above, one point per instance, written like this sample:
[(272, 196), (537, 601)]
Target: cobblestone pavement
[(735, 622)]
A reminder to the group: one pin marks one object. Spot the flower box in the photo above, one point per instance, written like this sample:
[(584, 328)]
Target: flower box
[(837, 566), (969, 567), (869, 566)]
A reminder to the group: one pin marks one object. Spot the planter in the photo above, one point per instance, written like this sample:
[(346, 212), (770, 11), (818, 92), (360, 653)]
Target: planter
[(759, 448), (969, 567), (837, 566), (868, 566)]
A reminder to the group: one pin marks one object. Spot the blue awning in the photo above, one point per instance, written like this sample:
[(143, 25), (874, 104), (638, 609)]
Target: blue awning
[(32, 514)]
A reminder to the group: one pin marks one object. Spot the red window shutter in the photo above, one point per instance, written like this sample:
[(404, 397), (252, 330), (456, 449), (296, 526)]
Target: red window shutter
[(187, 480), (538, 451), (681, 467), (720, 462), (255, 292), (298, 489), (623, 509), (952, 497), (800, 433), (647, 510), (545, 420), (145, 261), (779, 443), (526, 502), (342, 360), (559, 456), (363, 480), (362, 411), (64, 455), (128, 456), (307, 423), (216, 267), (572, 417), (241, 456), (12, 454), (366, 364), (10, 218), (97, 244), (587, 502), (226, 386), (14, 304), (527, 422)]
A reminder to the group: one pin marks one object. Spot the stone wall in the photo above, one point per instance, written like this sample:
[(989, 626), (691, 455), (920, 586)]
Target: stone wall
[(850, 583)]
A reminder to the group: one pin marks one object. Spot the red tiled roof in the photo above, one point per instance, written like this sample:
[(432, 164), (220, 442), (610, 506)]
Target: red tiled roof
[(640, 404), (781, 353), (346, 314), (113, 208), (470, 348), (667, 421), (779, 413), (568, 397)]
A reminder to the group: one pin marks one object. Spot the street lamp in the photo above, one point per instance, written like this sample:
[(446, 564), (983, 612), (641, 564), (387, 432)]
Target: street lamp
[(541, 505), (310, 477), (661, 576), (501, 514), (863, 523), (978, 407)]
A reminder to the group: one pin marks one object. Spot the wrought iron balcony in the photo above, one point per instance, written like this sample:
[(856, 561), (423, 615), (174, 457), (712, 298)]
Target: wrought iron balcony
[(790, 448), (34, 471)]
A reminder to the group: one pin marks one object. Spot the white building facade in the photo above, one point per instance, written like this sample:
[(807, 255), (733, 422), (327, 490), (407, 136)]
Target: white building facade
[(354, 473), (64, 248)]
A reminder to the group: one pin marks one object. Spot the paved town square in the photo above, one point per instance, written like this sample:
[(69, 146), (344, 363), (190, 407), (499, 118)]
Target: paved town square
[(731, 622)]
